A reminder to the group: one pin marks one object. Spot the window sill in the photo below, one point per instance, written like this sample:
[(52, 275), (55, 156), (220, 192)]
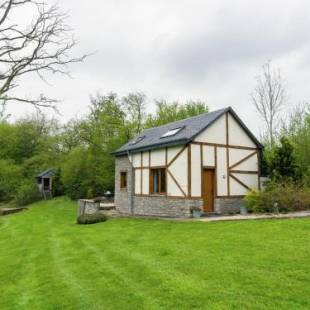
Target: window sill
[(157, 195)]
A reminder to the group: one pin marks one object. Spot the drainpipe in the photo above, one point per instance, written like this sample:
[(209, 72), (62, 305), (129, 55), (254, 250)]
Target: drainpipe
[(131, 202)]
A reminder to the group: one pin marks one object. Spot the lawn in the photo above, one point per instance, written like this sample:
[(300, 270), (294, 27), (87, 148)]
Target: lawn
[(49, 262)]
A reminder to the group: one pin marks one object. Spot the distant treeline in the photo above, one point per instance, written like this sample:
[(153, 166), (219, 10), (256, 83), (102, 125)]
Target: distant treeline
[(81, 149)]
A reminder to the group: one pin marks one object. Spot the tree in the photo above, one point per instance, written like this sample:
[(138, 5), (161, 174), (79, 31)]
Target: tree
[(40, 46), (134, 106), (298, 130), (269, 97), (283, 164), (169, 112)]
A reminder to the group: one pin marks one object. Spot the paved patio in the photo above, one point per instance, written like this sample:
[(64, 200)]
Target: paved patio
[(237, 217)]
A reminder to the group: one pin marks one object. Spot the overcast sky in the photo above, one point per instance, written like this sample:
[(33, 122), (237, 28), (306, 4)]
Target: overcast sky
[(181, 50)]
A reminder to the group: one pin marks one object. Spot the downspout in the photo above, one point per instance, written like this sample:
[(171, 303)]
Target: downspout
[(131, 201)]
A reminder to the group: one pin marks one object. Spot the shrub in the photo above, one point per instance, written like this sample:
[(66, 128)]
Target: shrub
[(278, 197), (27, 193), (91, 218), (10, 179)]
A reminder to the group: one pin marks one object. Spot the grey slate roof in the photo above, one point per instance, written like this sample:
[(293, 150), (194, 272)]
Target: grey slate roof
[(46, 174), (192, 127)]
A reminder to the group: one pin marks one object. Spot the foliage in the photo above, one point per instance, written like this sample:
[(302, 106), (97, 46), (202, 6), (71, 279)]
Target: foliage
[(151, 264), (10, 178), (58, 188), (76, 174), (278, 197), (81, 150), (169, 112), (27, 193), (298, 131), (91, 218), (282, 163)]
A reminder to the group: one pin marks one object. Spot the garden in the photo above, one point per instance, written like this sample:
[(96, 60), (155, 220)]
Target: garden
[(49, 262)]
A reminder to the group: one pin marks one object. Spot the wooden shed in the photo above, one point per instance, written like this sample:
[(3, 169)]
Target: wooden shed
[(45, 183)]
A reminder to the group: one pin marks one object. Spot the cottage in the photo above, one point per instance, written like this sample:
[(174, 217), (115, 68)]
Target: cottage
[(208, 161)]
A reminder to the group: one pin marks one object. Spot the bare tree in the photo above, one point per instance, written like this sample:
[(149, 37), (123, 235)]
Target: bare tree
[(41, 45), (269, 98)]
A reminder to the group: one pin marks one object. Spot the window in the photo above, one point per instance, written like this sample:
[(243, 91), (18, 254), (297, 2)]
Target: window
[(172, 132), (123, 179), (137, 140), (158, 181)]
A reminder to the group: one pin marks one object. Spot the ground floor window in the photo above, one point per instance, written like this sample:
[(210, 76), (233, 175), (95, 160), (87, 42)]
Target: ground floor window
[(123, 179), (158, 181)]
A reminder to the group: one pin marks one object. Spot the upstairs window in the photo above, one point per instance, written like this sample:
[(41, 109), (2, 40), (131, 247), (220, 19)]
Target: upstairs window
[(172, 132), (137, 140), (158, 181), (123, 180)]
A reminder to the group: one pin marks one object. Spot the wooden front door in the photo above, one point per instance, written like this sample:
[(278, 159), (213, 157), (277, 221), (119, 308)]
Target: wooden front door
[(208, 190)]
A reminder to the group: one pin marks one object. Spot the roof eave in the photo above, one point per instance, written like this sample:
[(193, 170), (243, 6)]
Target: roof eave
[(151, 147)]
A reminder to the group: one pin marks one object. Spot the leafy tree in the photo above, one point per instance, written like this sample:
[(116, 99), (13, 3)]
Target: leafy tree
[(169, 112), (134, 107), (10, 179), (104, 130), (283, 164), (76, 174), (298, 130)]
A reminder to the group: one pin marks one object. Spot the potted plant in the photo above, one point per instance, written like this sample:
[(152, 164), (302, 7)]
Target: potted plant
[(243, 210), (196, 212)]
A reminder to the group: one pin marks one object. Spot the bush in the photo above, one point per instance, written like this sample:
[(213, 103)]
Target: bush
[(279, 197), (76, 174), (27, 193), (10, 179), (91, 218)]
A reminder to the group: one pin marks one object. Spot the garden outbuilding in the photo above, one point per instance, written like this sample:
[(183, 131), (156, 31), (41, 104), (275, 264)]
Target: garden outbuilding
[(209, 161), (45, 182)]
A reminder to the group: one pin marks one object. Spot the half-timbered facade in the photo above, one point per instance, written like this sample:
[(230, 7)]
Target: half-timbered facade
[(208, 161)]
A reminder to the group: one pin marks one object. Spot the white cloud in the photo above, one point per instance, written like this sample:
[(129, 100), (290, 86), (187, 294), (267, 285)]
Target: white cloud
[(209, 50)]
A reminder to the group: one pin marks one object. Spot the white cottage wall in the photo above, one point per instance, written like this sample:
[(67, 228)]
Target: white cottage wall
[(179, 171), (221, 171), (216, 133), (237, 135), (195, 171), (208, 155), (158, 157)]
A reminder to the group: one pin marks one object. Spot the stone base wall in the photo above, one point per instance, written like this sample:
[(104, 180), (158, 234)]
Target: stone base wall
[(161, 206), (123, 196), (227, 205)]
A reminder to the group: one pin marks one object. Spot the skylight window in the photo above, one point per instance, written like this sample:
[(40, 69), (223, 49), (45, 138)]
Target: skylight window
[(172, 132), (137, 140)]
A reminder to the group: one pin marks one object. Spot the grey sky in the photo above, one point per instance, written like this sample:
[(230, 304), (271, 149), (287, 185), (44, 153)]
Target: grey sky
[(181, 50)]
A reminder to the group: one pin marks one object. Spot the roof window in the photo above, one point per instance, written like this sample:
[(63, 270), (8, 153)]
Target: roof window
[(172, 132), (137, 140)]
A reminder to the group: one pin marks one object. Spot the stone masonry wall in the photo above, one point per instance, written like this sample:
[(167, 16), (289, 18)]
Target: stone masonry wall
[(227, 205), (123, 196), (162, 206)]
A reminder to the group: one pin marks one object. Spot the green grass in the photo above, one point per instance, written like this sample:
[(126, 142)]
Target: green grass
[(49, 262)]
